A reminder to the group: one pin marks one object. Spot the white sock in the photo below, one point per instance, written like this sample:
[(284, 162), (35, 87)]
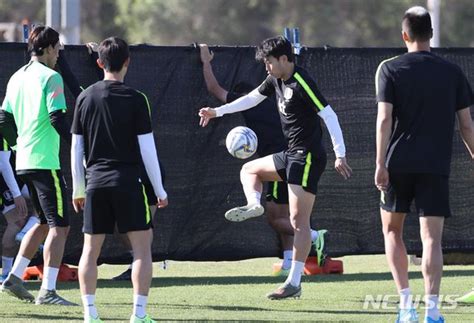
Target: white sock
[(314, 235), (287, 258), (19, 266), (7, 264), (32, 220), (139, 305), (253, 198), (50, 276), (88, 301), (431, 303), (405, 299), (294, 277)]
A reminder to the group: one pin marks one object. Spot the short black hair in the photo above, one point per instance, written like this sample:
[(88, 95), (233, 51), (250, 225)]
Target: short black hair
[(41, 37), (276, 47), (113, 52), (417, 24)]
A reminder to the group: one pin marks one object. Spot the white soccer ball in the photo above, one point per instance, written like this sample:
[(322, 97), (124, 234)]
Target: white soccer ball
[(241, 142)]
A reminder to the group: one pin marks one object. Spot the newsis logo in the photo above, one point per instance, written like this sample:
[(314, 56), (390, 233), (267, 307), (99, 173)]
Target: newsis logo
[(390, 302)]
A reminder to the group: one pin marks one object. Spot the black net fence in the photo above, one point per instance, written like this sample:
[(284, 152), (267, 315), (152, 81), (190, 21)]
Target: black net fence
[(202, 179)]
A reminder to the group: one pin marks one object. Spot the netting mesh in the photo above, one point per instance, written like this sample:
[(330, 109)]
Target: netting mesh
[(203, 179)]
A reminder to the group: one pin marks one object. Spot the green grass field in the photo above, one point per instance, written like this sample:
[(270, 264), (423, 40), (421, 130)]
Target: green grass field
[(235, 291)]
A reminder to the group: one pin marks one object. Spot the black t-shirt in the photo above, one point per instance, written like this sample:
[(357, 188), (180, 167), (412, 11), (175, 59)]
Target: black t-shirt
[(299, 102), (110, 115), (426, 91), (264, 120)]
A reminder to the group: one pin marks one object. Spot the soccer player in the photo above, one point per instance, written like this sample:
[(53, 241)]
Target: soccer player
[(34, 107), (149, 191), (112, 129), (265, 121), (419, 94), (301, 165), (13, 207)]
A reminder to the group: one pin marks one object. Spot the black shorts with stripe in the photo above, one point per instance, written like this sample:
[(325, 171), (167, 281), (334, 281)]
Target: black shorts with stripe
[(430, 192), (124, 207), (301, 168), (48, 194), (277, 192)]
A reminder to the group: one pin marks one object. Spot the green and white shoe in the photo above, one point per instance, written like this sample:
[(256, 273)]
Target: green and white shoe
[(146, 319), (281, 272), (468, 298), (319, 246)]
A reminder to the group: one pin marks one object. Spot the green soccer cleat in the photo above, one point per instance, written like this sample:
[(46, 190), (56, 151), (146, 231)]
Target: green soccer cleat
[(242, 213), (281, 272), (146, 319), (319, 246), (285, 291), (50, 297), (468, 298), (14, 286)]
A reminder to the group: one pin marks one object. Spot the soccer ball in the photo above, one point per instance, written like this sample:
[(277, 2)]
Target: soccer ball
[(241, 142)]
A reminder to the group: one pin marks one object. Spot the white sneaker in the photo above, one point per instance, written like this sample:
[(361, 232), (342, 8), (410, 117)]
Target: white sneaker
[(242, 213)]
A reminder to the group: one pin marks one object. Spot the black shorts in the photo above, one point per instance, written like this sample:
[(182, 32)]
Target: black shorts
[(6, 198), (110, 206), (301, 168), (277, 192), (48, 194), (430, 192)]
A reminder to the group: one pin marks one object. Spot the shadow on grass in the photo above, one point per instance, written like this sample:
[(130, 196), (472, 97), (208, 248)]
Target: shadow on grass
[(201, 307), (249, 280), (30, 317)]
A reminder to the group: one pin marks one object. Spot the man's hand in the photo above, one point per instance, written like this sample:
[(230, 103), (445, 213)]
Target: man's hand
[(161, 203), (342, 167), (78, 204), (92, 47), (21, 208), (206, 114), (206, 54), (381, 178)]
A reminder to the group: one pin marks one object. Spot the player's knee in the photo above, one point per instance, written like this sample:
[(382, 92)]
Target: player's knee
[(298, 223), (43, 229), (13, 218), (429, 240), (246, 169), (59, 233), (272, 221), (89, 253), (391, 231)]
